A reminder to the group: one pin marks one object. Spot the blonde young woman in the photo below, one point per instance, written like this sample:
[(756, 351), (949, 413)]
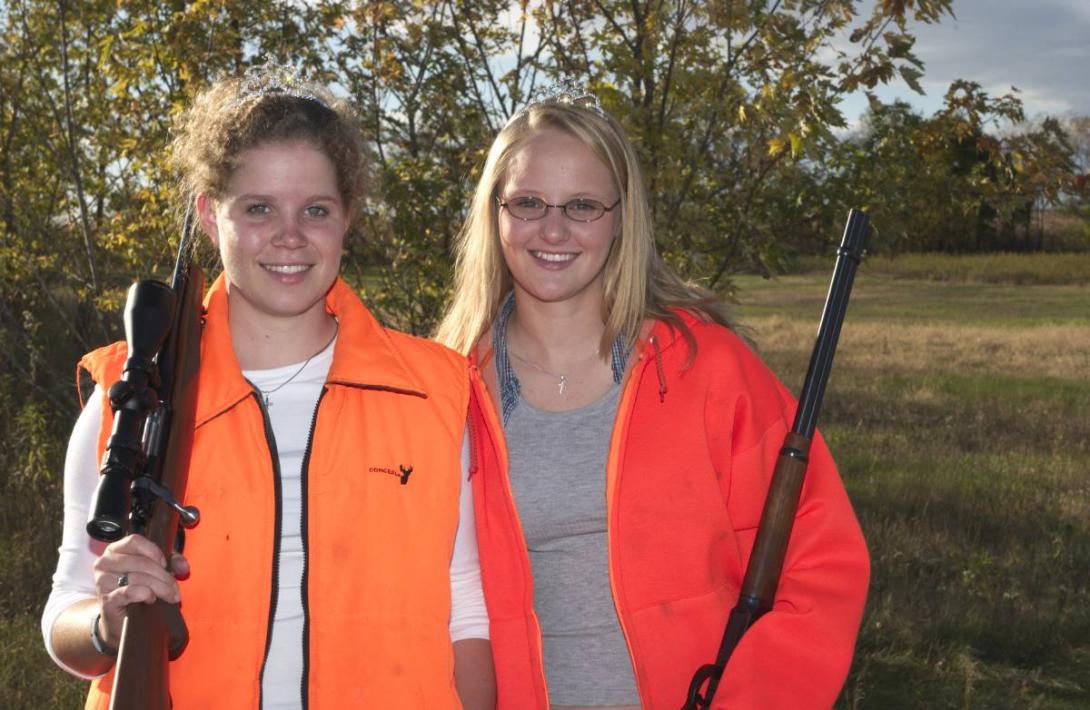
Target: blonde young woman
[(320, 575), (623, 439)]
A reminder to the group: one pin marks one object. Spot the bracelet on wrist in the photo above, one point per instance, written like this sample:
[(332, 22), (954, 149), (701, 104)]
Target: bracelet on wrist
[(97, 641)]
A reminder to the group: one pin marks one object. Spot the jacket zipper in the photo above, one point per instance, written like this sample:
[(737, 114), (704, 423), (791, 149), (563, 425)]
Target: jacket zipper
[(489, 415), (274, 586), (471, 432), (620, 427), (270, 441), (303, 593)]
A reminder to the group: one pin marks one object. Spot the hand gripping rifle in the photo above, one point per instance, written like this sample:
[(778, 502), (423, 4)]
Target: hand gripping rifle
[(147, 460), (770, 547)]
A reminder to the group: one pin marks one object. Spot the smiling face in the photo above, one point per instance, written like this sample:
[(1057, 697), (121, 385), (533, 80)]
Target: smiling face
[(279, 227), (557, 259)]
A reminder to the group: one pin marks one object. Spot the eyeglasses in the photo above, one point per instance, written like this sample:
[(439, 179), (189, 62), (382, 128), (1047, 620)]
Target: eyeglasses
[(529, 209)]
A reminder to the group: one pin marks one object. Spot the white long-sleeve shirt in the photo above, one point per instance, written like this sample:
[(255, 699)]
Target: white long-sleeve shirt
[(291, 408)]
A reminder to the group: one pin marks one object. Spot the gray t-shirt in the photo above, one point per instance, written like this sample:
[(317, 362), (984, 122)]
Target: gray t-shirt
[(558, 476)]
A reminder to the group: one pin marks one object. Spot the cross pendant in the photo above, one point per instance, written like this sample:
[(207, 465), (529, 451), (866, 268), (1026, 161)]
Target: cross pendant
[(560, 386)]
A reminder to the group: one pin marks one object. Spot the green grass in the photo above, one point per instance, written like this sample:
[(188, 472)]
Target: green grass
[(1007, 268), (970, 482), (892, 300), (28, 678)]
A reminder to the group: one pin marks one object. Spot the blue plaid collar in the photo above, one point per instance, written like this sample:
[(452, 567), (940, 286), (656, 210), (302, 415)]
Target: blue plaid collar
[(510, 390)]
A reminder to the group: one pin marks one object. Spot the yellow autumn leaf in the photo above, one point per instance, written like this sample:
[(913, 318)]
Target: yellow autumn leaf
[(796, 144), (776, 146)]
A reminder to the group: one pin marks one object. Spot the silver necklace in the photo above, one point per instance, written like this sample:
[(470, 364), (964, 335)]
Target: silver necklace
[(561, 379), (265, 393)]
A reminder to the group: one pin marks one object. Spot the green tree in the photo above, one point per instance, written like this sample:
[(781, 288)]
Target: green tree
[(421, 74), (1076, 202), (731, 105), (969, 178)]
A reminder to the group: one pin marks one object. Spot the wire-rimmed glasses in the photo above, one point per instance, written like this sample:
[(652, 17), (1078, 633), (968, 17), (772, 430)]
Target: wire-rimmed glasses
[(580, 209)]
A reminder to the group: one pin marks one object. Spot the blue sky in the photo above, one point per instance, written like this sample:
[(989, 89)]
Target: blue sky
[(1042, 47)]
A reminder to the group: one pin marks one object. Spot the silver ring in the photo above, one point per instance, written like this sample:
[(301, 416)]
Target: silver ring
[(123, 580)]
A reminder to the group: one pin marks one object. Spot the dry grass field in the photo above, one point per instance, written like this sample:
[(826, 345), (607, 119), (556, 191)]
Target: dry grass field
[(959, 413)]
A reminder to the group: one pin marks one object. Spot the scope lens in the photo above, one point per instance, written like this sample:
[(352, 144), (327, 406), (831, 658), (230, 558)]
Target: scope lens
[(105, 530)]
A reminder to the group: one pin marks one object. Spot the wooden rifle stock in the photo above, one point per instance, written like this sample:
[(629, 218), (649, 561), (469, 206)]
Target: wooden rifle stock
[(151, 452), (148, 636), (778, 516)]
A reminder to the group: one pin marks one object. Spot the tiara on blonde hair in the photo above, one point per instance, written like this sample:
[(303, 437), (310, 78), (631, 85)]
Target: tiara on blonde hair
[(566, 92), (273, 80)]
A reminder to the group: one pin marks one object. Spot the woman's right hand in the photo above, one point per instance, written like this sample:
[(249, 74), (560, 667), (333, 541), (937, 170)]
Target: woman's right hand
[(133, 570)]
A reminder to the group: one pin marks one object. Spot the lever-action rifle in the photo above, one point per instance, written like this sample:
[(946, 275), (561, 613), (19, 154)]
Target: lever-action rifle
[(147, 460), (770, 547)]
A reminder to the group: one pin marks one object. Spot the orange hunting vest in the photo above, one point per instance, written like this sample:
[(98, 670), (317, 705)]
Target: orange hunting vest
[(378, 542)]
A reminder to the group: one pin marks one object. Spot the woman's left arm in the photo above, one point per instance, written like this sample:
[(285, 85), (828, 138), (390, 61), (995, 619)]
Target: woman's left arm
[(474, 675), (798, 655)]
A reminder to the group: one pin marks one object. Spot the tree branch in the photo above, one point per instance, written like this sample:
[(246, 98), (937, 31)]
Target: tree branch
[(713, 118), (70, 138)]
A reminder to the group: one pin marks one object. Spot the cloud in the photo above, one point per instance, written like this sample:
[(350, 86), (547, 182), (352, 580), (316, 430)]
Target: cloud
[(1041, 47)]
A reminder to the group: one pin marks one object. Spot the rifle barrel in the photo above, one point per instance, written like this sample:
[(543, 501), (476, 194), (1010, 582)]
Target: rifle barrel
[(836, 305)]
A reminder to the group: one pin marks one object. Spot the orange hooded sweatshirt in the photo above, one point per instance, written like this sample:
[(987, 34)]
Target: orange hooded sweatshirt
[(692, 452), (376, 587)]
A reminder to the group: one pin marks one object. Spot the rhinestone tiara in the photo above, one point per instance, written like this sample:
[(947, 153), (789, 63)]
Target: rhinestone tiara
[(272, 80), (567, 92)]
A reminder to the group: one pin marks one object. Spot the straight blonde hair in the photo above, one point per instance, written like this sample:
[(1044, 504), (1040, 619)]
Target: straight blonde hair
[(638, 283)]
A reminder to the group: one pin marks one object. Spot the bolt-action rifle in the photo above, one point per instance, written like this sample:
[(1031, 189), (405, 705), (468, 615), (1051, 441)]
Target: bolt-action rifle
[(146, 462), (770, 547)]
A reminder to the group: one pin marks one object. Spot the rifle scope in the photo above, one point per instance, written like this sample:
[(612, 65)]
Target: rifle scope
[(149, 311)]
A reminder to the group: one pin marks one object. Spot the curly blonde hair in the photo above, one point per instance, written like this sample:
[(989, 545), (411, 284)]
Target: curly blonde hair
[(236, 114)]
